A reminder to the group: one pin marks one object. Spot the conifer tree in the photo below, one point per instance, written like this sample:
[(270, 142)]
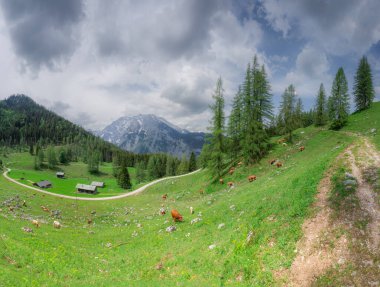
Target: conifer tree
[(171, 166), (287, 112), (51, 157), (123, 178), (140, 171), (192, 162), (339, 101), (235, 125), (364, 92), (183, 166), (40, 158), (217, 148), (298, 113), (320, 107)]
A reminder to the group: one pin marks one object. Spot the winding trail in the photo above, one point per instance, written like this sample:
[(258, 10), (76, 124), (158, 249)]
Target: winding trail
[(135, 192)]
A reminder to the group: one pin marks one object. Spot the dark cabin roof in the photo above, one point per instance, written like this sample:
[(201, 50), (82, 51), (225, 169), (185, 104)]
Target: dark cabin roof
[(44, 184)]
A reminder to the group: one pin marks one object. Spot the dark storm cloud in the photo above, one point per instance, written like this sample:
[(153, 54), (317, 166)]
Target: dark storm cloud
[(42, 31)]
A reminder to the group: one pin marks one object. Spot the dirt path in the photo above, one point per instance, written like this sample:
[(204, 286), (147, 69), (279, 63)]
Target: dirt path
[(314, 251), (135, 192), (320, 248)]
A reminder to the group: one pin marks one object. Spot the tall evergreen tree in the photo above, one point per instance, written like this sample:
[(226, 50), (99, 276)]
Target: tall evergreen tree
[(364, 92), (123, 178), (183, 166), (235, 125), (320, 107), (51, 157), (339, 105), (140, 171), (288, 121), (192, 162), (171, 166), (217, 148), (298, 113)]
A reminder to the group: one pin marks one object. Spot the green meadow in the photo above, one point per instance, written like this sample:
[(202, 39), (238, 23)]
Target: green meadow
[(243, 235)]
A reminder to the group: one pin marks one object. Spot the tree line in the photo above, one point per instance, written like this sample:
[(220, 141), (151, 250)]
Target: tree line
[(251, 122)]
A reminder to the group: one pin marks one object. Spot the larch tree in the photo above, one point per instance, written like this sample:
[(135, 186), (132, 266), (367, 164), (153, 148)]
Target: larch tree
[(364, 92), (123, 178), (339, 104), (192, 162), (235, 125), (217, 148), (298, 113), (321, 107), (287, 116)]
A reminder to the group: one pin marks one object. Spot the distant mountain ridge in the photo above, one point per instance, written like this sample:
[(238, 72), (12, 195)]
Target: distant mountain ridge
[(152, 134)]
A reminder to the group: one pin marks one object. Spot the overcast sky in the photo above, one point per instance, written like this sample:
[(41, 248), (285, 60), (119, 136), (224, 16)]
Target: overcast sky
[(95, 61)]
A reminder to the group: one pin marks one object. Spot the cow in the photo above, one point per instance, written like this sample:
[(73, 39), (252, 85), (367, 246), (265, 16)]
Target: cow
[(302, 148), (230, 184), (221, 181), (89, 221), (201, 191), (251, 178), (57, 224), (44, 208), (231, 171), (162, 211), (279, 164), (176, 215), (272, 161), (165, 196), (36, 223)]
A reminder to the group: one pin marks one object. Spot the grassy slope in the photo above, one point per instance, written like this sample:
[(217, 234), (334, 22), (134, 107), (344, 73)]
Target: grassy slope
[(273, 207), (364, 121), (22, 167)]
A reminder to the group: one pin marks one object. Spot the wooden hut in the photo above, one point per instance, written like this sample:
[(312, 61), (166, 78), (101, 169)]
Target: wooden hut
[(84, 188), (43, 184), (98, 184), (60, 174)]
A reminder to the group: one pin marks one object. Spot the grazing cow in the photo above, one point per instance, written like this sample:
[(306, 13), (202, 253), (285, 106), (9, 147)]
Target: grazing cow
[(251, 178), (165, 196), (162, 211), (176, 215), (231, 171), (89, 220), (272, 161), (191, 210), (221, 181), (36, 223), (230, 184), (302, 148), (281, 141), (57, 224), (279, 164), (201, 191), (44, 208)]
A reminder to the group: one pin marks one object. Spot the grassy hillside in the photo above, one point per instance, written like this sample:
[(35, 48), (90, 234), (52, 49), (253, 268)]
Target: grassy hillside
[(21, 165), (128, 240)]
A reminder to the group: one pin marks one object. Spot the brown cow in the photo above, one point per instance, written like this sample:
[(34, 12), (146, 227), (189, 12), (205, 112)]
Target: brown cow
[(251, 178), (165, 196), (221, 181), (231, 171), (89, 221), (302, 148), (230, 184), (45, 208), (279, 164), (176, 215), (272, 161), (201, 191)]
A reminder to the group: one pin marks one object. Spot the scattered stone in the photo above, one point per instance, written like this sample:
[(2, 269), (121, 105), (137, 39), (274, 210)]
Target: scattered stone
[(171, 228), (93, 212), (249, 237), (349, 176), (109, 245), (200, 214), (159, 266), (212, 246), (341, 261), (27, 229), (134, 234), (373, 130), (56, 214), (195, 220), (139, 225), (232, 207), (91, 232), (187, 234), (222, 225), (350, 182)]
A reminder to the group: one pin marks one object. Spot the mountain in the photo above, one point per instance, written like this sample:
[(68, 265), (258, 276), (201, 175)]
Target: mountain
[(152, 134)]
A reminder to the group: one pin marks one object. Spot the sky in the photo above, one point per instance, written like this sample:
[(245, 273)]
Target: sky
[(94, 61)]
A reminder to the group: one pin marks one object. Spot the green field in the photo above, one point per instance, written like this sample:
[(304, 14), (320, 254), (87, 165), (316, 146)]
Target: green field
[(127, 240), (21, 165)]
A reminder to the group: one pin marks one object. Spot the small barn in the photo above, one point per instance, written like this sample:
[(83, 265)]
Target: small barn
[(60, 174), (84, 188), (98, 184), (43, 184)]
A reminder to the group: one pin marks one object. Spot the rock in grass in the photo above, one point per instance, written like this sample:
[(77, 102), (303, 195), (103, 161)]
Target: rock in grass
[(348, 182), (249, 237), (195, 220), (27, 229), (220, 226), (109, 245), (349, 175), (212, 246), (171, 228)]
